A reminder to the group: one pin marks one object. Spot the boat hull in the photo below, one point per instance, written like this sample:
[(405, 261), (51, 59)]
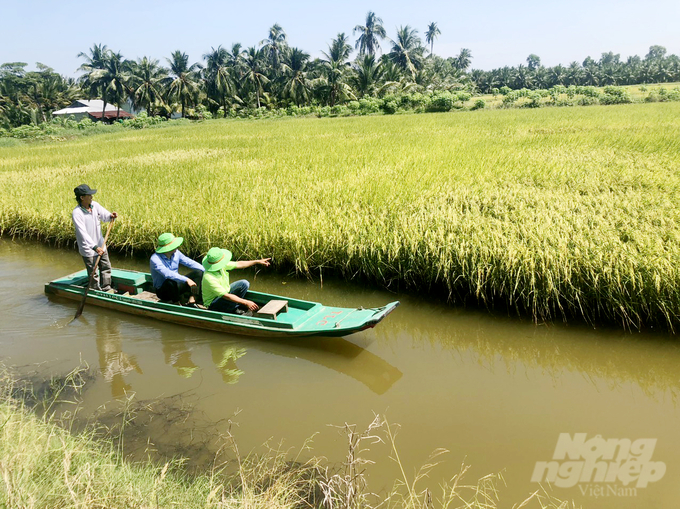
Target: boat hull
[(303, 318)]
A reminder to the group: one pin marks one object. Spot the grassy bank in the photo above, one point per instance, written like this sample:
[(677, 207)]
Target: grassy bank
[(552, 212), (42, 465)]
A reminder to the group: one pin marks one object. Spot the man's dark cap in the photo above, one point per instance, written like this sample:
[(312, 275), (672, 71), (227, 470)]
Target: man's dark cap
[(84, 189)]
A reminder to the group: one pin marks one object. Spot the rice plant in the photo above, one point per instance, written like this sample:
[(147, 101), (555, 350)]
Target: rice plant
[(553, 212)]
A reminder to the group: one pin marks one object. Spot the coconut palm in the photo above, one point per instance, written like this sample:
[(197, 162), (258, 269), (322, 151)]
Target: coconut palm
[(338, 50), (407, 51), (334, 68), (146, 82), (182, 85), (367, 74), (93, 67), (296, 81), (463, 60), (368, 43), (253, 76), (114, 79), (431, 34), (274, 46), (219, 80)]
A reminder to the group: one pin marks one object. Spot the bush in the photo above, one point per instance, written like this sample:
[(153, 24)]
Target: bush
[(354, 107), (85, 123), (369, 105), (390, 107), (615, 95), (442, 101), (340, 110), (587, 101), (464, 96), (505, 90), (479, 105), (26, 131)]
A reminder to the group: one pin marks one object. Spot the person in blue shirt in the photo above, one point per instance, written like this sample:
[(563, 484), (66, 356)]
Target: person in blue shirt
[(170, 285)]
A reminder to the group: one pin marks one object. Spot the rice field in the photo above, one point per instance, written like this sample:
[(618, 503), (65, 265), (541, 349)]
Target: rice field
[(557, 213)]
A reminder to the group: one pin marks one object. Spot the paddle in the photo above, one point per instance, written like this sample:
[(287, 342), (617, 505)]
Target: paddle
[(94, 271)]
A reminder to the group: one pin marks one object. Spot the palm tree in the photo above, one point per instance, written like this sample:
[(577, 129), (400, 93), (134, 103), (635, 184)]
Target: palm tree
[(220, 84), (296, 82), (94, 64), (182, 83), (146, 82), (274, 45), (367, 73), (463, 60), (431, 34), (407, 50), (114, 80), (254, 76), (334, 67), (367, 43), (339, 49)]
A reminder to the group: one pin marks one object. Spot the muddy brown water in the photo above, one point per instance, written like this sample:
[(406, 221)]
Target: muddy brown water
[(497, 392)]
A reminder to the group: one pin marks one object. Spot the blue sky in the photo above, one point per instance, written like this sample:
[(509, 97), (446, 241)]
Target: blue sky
[(497, 32)]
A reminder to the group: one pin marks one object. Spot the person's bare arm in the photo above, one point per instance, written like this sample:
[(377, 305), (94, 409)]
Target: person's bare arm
[(238, 300), (249, 263)]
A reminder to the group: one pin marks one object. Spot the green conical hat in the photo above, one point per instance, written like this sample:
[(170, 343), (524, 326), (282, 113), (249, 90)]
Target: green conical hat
[(216, 259), (168, 242)]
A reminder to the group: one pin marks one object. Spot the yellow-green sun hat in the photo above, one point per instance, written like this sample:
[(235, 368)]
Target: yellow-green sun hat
[(168, 242), (216, 259)]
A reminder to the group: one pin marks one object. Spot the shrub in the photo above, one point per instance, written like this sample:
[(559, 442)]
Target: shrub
[(442, 101), (479, 105), (390, 106), (615, 95), (505, 90), (85, 123), (587, 101), (339, 110), (354, 106), (369, 105), (464, 96)]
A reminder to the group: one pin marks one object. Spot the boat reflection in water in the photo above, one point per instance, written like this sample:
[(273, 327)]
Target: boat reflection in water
[(179, 343)]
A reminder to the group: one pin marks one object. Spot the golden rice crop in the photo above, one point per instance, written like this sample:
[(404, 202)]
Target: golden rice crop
[(556, 212)]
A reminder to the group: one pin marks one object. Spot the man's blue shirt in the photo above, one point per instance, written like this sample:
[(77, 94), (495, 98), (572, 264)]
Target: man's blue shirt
[(163, 268)]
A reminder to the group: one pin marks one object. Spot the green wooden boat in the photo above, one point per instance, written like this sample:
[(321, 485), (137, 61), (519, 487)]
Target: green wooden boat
[(278, 316)]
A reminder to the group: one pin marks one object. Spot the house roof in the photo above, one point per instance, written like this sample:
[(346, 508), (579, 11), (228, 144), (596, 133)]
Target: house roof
[(110, 114), (85, 106)]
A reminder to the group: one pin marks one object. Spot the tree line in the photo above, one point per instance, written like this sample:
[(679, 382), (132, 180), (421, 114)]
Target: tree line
[(273, 74)]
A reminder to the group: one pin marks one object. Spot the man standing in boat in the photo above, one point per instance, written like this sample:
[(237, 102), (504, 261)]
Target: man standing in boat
[(169, 284), (218, 294), (87, 218)]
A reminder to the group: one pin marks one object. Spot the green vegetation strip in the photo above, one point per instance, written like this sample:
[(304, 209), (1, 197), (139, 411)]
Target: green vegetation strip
[(554, 212)]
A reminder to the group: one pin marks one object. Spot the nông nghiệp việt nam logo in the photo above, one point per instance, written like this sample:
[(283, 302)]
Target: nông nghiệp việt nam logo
[(578, 460)]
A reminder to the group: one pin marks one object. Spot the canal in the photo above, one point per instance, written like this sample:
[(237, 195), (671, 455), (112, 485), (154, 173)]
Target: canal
[(497, 392)]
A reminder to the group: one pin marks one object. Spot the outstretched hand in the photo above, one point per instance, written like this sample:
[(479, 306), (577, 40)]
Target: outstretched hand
[(264, 261)]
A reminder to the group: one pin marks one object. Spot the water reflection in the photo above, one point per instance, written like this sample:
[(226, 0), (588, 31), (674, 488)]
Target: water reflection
[(114, 363), (224, 356), (177, 354), (179, 343), (605, 356)]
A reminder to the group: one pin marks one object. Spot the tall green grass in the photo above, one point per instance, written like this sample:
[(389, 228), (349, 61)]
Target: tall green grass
[(552, 212)]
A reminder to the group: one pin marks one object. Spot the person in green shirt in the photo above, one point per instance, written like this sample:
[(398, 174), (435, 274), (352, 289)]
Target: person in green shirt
[(218, 294)]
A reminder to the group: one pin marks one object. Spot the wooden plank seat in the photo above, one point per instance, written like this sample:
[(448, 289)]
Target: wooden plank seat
[(272, 308)]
